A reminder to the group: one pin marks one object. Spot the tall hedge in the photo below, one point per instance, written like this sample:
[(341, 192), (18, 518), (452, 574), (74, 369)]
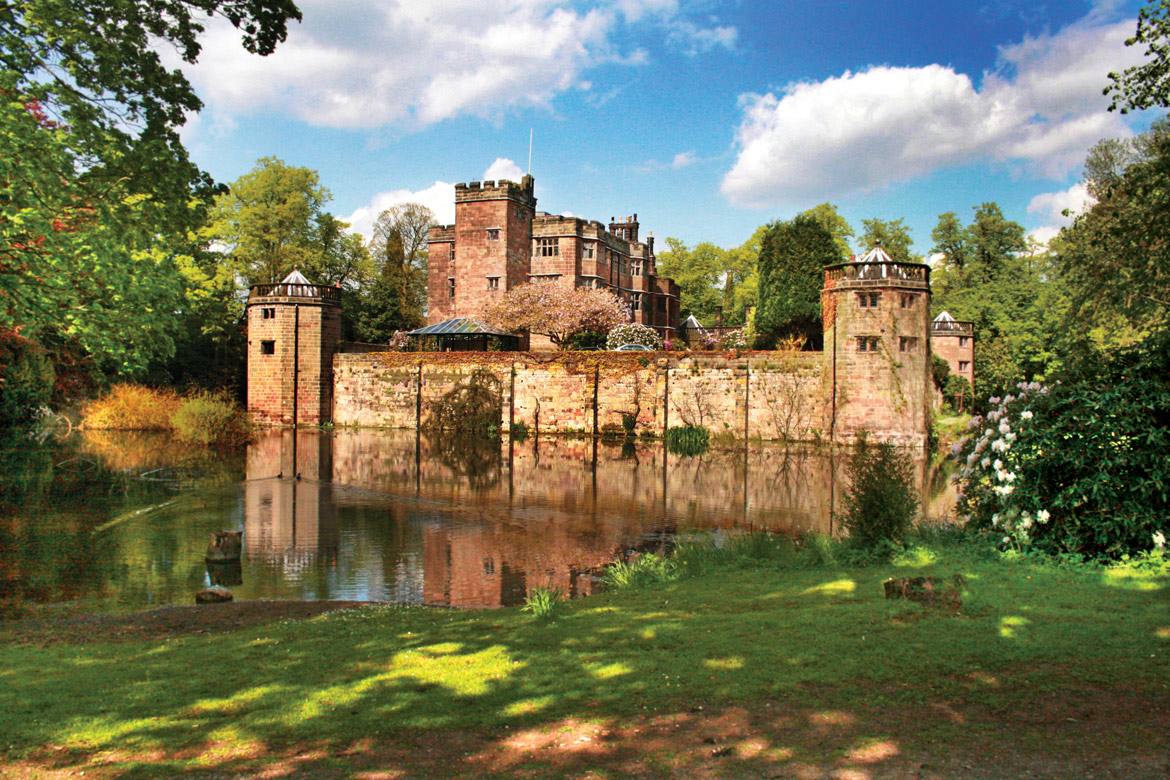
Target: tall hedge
[(792, 259)]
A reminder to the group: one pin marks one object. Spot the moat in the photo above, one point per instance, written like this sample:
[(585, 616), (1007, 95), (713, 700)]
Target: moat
[(122, 521)]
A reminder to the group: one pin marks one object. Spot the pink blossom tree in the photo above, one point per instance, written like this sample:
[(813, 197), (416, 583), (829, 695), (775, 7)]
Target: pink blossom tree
[(557, 310)]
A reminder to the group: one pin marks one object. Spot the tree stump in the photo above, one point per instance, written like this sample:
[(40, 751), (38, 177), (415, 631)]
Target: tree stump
[(928, 591), (225, 546)]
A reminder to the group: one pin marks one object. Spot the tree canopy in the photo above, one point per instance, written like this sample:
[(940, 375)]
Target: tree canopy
[(793, 256), (1114, 260), (98, 199), (1146, 85)]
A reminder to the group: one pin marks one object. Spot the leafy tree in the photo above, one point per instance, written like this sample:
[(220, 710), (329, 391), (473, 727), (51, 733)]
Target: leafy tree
[(1146, 85), (893, 236), (1115, 258), (399, 250), (950, 240), (699, 273), (837, 225), (98, 194), (793, 255), (92, 270), (988, 276), (269, 222), (557, 311), (741, 280)]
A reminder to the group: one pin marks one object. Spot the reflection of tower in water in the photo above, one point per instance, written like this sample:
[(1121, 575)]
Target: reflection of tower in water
[(289, 515)]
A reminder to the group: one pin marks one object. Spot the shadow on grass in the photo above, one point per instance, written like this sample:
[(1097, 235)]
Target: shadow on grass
[(755, 668)]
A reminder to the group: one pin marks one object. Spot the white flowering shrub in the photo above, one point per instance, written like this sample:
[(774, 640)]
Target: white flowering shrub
[(993, 457), (633, 333), (1078, 467), (736, 339)]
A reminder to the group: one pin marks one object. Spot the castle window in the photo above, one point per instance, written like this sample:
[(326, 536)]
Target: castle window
[(962, 341), (964, 365), (908, 344), (625, 266), (867, 344), (493, 234), (635, 301), (637, 268), (588, 249), (548, 247), (908, 300), (868, 300), (267, 347), (451, 288), (662, 306), (493, 282), (268, 314)]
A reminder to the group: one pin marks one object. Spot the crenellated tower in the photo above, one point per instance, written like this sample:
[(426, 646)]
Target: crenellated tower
[(486, 252)]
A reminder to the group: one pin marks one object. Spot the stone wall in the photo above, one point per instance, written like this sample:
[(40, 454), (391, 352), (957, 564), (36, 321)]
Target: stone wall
[(765, 395)]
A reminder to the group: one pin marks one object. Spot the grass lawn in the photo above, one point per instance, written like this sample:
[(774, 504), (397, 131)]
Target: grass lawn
[(780, 668)]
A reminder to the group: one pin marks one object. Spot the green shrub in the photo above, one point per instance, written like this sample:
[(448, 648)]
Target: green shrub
[(26, 379), (881, 502), (210, 418), (131, 408), (646, 569), (543, 603), (518, 431), (958, 393), (586, 340), (633, 333), (1078, 467), (940, 370), (687, 440)]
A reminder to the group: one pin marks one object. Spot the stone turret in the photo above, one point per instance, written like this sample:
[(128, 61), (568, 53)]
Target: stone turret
[(877, 349), (293, 330)]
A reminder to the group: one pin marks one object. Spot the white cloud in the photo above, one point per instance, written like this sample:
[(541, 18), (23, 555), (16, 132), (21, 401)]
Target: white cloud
[(503, 168), (1052, 205), (683, 159), (1042, 235), (439, 198), (371, 63), (1042, 108)]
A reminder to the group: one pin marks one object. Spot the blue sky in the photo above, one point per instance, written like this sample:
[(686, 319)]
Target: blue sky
[(707, 119)]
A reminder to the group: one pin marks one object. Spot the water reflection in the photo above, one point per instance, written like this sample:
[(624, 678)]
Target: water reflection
[(392, 516)]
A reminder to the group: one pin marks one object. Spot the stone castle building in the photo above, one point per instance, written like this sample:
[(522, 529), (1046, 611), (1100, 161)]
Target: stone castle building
[(954, 342), (500, 241)]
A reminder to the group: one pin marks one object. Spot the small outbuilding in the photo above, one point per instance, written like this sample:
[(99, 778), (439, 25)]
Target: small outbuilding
[(463, 334)]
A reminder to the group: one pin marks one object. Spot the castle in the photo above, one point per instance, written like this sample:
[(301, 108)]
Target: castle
[(873, 375), (500, 241)]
